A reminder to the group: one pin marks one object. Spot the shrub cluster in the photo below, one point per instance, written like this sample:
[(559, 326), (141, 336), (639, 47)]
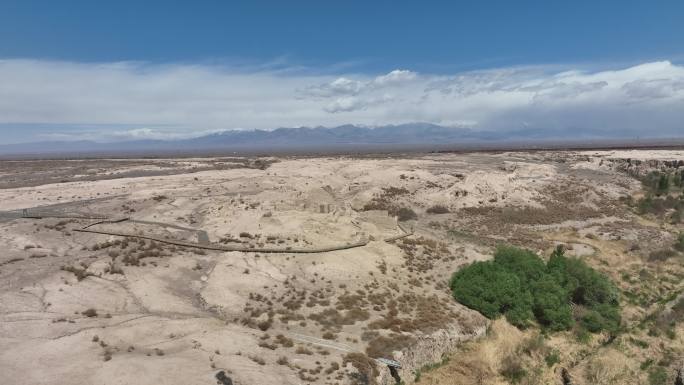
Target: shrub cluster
[(437, 209), (519, 285), (663, 182), (663, 195), (679, 245), (660, 205)]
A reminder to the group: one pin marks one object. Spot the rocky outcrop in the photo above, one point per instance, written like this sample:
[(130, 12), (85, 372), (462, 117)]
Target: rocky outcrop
[(430, 348)]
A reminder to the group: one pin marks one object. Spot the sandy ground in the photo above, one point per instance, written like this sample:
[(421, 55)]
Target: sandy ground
[(177, 315)]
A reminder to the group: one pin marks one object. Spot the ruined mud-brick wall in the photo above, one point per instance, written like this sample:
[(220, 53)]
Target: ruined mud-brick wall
[(431, 348), (639, 168)]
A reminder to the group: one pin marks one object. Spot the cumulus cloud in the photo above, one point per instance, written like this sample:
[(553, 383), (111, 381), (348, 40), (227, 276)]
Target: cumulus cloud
[(562, 90), (339, 86), (352, 103), (142, 100), (653, 89), (345, 104), (395, 77)]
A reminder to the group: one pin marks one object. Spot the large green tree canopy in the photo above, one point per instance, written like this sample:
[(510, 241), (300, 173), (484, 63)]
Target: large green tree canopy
[(518, 284)]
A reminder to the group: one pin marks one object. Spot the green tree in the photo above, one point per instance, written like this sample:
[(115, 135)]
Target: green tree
[(663, 183), (523, 263), (486, 287), (645, 204), (551, 306), (518, 284), (587, 286)]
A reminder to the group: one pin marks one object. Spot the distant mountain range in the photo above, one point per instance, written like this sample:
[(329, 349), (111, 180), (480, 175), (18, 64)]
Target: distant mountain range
[(413, 135)]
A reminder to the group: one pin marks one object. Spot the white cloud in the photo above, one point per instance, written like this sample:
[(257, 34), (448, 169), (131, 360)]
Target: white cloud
[(653, 89), (339, 86), (344, 104), (116, 134), (139, 100), (394, 78), (352, 103)]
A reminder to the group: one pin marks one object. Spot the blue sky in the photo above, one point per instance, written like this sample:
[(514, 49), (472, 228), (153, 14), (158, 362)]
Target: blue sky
[(276, 63), (432, 36)]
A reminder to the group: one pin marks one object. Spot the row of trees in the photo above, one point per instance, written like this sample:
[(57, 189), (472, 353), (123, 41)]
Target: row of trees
[(662, 182), (663, 195), (518, 284)]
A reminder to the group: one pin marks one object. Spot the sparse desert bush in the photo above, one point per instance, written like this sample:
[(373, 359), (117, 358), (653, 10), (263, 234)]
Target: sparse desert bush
[(404, 214), (113, 268), (265, 325), (384, 346), (552, 358), (679, 245), (393, 192), (131, 259), (267, 345), (229, 239), (438, 209), (657, 376), (303, 350), (329, 336), (284, 341), (512, 369), (89, 312), (661, 255), (520, 286), (80, 272), (334, 366), (660, 200), (385, 201), (662, 182)]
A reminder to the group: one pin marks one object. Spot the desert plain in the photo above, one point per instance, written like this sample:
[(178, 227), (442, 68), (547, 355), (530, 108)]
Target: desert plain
[(307, 270)]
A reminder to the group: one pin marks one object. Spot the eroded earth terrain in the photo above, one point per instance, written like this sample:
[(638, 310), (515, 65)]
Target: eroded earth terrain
[(301, 270)]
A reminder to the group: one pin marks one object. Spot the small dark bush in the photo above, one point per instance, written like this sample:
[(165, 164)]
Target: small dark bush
[(438, 209), (657, 376), (661, 255), (552, 359), (80, 272), (301, 350), (405, 214), (679, 245), (512, 369)]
